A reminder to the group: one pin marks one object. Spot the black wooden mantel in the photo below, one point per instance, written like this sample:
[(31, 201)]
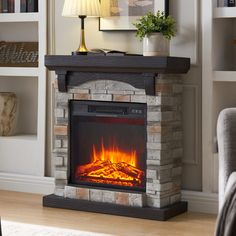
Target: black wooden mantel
[(138, 71)]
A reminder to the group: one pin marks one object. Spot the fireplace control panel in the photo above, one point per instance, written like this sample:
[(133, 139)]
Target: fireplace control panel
[(115, 109), (137, 111)]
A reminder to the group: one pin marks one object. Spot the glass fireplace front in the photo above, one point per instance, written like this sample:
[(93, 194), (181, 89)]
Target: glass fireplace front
[(108, 144)]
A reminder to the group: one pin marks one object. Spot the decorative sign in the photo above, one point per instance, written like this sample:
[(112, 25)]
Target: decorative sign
[(18, 54)]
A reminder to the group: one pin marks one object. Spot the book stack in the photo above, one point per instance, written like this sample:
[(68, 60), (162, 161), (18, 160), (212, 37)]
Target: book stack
[(29, 5), (226, 3), (8, 6)]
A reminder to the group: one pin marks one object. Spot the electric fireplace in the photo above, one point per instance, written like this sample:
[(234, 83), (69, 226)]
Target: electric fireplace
[(108, 144), (118, 139)]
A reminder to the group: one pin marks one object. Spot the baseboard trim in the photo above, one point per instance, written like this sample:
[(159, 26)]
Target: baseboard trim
[(201, 202), (197, 201), (26, 183)]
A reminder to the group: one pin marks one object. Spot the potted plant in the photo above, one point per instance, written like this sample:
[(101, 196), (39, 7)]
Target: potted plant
[(155, 30)]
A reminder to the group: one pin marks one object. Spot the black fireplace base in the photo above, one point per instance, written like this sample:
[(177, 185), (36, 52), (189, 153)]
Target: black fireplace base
[(105, 208)]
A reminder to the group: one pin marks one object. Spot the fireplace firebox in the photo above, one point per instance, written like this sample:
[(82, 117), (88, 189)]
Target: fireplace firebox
[(108, 144)]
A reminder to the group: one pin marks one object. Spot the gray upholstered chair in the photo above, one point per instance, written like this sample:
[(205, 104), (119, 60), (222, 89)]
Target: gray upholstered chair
[(226, 136)]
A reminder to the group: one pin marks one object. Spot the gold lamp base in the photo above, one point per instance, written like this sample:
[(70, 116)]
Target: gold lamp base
[(82, 50)]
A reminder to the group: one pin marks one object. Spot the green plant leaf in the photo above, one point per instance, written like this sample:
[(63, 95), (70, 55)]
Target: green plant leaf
[(155, 23)]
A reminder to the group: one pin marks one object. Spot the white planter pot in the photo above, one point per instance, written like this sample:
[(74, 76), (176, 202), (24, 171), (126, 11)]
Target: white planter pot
[(8, 113), (156, 45)]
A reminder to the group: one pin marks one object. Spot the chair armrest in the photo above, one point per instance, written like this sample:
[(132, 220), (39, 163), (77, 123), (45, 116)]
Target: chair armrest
[(231, 181), (226, 137)]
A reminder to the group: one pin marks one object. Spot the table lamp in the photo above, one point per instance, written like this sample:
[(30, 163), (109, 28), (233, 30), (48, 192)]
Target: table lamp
[(81, 9)]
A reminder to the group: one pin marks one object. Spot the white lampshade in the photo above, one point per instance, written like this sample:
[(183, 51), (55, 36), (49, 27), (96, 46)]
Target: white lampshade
[(75, 8)]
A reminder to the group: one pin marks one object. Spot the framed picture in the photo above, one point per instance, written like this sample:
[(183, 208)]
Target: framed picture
[(121, 14)]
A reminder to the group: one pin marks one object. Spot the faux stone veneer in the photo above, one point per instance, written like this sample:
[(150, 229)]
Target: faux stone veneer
[(164, 141)]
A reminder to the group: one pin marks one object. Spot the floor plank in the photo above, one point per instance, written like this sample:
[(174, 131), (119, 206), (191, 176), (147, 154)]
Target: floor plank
[(27, 208)]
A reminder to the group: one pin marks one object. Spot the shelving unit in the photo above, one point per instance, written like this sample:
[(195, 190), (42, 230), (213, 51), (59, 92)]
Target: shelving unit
[(219, 80), (24, 153)]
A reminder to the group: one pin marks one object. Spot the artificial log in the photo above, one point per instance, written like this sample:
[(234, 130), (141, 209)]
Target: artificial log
[(101, 171)]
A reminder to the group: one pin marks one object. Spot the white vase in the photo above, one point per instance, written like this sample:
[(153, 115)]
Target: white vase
[(8, 113), (156, 44)]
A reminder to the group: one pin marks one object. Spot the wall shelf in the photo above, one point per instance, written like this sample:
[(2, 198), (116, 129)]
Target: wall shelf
[(19, 71), (224, 12), (224, 76), (19, 17), (18, 137)]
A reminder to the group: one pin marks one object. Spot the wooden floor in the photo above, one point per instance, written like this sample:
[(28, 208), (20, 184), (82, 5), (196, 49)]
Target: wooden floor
[(27, 208)]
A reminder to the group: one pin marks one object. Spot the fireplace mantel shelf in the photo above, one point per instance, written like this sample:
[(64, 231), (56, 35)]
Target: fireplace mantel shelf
[(138, 71)]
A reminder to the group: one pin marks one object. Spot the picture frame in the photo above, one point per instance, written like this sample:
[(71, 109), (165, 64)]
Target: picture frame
[(119, 15)]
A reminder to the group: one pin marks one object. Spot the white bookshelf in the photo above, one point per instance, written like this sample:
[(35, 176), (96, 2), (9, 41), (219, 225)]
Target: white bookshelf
[(224, 12), (218, 81), (224, 76), (19, 17), (19, 137), (19, 72), (24, 153)]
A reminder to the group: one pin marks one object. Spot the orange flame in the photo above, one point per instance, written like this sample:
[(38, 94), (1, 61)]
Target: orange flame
[(114, 155), (112, 166)]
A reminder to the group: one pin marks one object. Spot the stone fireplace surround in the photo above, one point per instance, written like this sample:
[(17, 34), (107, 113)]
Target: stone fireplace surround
[(164, 144)]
